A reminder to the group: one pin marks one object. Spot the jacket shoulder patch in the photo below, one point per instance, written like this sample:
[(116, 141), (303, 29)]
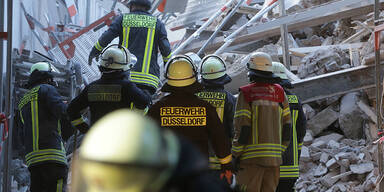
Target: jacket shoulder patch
[(263, 91)]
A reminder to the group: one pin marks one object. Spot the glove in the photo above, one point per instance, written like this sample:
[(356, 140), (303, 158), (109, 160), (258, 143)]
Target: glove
[(228, 177), (94, 54), (83, 128)]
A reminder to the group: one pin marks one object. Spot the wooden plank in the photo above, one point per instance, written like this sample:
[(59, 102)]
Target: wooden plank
[(311, 17), (305, 50)]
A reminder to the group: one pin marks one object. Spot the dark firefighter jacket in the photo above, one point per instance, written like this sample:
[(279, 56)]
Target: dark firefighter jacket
[(290, 167), (143, 35), (187, 115), (111, 92), (41, 109), (224, 102), (262, 124)]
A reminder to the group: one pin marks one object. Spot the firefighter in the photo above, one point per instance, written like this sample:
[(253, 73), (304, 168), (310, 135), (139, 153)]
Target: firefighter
[(289, 170), (112, 91), (41, 110), (187, 115), (262, 125), (136, 156), (213, 78), (143, 35)]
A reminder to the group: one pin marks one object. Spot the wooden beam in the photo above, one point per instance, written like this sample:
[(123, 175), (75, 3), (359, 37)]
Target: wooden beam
[(311, 17), (305, 50), (336, 83)]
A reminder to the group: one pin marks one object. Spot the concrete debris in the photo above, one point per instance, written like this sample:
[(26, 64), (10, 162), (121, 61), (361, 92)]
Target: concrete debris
[(351, 116), (308, 138), (322, 120), (334, 163), (308, 111)]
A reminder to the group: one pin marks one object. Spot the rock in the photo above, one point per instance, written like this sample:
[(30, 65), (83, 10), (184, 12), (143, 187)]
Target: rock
[(322, 120), (327, 179), (327, 138), (361, 168), (324, 158), (320, 171), (312, 187), (305, 154), (318, 144), (344, 163), (351, 116), (333, 144), (308, 138), (346, 155), (316, 156), (331, 164), (308, 111), (341, 187)]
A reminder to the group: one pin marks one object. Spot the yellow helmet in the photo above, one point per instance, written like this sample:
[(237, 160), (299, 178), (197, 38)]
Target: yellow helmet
[(180, 71), (212, 67), (279, 70), (126, 152), (117, 57), (260, 61)]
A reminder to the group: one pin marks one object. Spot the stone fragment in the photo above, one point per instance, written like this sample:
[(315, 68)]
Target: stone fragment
[(341, 187), (333, 144), (324, 158), (351, 116), (327, 179), (320, 171), (326, 138), (322, 120), (361, 168), (305, 154), (318, 144), (316, 156), (308, 138), (312, 187), (331, 164), (308, 111)]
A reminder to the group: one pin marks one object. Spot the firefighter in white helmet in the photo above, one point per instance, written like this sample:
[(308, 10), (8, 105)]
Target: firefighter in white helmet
[(289, 170), (188, 115), (135, 155), (112, 91), (262, 127), (213, 78), (42, 113)]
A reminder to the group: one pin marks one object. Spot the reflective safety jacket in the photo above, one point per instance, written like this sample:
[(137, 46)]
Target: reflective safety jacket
[(262, 124), (40, 111), (196, 120), (143, 35), (224, 102), (111, 92), (290, 167)]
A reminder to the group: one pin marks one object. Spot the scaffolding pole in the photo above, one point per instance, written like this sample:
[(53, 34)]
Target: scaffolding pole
[(284, 36), (8, 102)]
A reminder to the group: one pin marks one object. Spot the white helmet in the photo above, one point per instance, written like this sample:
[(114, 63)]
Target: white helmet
[(212, 67), (279, 70), (260, 61), (118, 58)]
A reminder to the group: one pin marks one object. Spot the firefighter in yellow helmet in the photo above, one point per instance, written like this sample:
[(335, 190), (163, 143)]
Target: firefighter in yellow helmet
[(289, 170), (213, 78), (127, 152), (112, 91), (186, 114), (262, 127)]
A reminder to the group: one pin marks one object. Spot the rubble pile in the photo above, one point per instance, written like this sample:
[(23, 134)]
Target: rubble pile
[(334, 163)]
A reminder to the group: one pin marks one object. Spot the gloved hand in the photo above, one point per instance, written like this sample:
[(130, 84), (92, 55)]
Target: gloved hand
[(94, 54), (83, 127), (228, 177)]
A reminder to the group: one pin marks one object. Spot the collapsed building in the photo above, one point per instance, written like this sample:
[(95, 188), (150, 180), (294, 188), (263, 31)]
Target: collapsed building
[(328, 46)]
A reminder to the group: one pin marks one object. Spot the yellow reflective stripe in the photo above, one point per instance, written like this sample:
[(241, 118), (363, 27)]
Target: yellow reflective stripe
[(243, 112), (300, 146), (45, 152), (144, 81), (286, 112), (145, 75), (165, 59), (98, 46), (47, 158), (295, 148), (148, 50), (258, 154), (280, 125), (237, 148), (226, 159), (77, 121), (35, 124), (255, 118), (21, 117), (59, 186)]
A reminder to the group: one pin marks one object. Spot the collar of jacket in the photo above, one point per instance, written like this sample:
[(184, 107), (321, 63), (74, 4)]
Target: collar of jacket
[(286, 84), (140, 12), (115, 75), (216, 83), (191, 89)]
